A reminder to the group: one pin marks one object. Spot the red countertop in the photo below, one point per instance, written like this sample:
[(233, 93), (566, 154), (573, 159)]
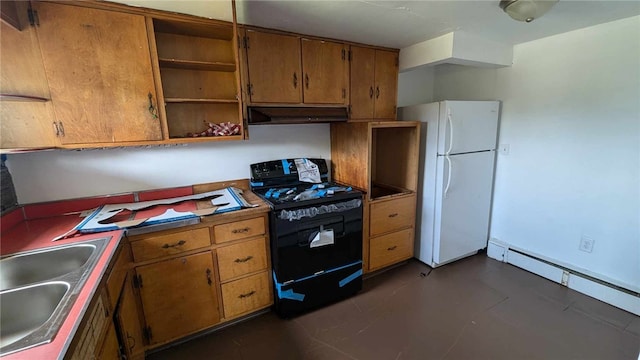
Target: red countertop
[(37, 233)]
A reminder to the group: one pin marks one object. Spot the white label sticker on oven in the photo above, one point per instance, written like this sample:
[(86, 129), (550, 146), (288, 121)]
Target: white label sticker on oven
[(322, 238), (307, 171)]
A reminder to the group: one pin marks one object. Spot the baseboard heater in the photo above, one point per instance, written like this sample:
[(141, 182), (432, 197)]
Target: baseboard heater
[(604, 291)]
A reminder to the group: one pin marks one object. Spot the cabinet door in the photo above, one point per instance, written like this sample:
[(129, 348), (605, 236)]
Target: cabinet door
[(325, 67), (386, 91), (362, 82), (128, 321), (273, 64), (178, 296), (98, 66), (27, 115), (110, 349)]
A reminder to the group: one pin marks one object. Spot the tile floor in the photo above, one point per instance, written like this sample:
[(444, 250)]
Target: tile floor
[(476, 308)]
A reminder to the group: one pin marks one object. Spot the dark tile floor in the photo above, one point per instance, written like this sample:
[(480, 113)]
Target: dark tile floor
[(476, 308)]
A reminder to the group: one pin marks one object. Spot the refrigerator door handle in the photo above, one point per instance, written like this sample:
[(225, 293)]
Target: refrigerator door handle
[(446, 189), (450, 132)]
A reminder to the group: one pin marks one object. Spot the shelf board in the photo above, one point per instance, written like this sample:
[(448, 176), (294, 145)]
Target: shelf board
[(217, 31), (25, 98), (200, 101), (179, 140), (197, 65)]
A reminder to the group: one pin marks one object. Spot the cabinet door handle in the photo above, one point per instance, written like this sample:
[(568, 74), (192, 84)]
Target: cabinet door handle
[(209, 281), (152, 108), (306, 80), (129, 337), (377, 92), (56, 128), (295, 80), (179, 243), (61, 128), (392, 248), (240, 231), (393, 215), (244, 259), (370, 92), (242, 296)]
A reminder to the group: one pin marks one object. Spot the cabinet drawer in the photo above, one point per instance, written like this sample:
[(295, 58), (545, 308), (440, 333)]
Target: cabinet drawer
[(246, 294), (238, 230), (390, 248), (163, 245), (242, 258), (392, 215)]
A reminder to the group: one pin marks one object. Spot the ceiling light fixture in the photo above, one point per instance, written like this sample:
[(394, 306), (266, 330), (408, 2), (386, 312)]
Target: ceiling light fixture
[(526, 10)]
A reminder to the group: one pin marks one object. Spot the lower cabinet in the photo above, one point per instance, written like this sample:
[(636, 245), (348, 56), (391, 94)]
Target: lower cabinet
[(166, 285), (128, 322), (391, 228), (178, 296), (92, 340)]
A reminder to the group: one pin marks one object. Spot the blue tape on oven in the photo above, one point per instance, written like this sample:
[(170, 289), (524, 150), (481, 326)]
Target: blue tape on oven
[(287, 294), (285, 167), (350, 278), (327, 272), (260, 183), (268, 193)]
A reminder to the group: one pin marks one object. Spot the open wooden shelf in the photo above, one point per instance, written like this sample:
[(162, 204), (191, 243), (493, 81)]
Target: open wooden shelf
[(200, 101), (197, 65)]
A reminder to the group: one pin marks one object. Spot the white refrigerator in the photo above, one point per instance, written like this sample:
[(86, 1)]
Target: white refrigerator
[(457, 155)]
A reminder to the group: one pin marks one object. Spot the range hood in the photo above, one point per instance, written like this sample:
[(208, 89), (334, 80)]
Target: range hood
[(265, 115)]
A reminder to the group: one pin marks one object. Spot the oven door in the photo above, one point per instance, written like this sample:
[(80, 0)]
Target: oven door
[(311, 240)]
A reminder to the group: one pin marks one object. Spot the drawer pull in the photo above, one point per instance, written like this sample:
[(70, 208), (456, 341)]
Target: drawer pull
[(393, 215), (243, 260), (242, 296), (179, 243), (209, 277), (392, 248), (240, 231)]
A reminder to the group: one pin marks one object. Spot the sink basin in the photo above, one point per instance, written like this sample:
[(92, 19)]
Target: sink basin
[(38, 289), (32, 267), (26, 309)]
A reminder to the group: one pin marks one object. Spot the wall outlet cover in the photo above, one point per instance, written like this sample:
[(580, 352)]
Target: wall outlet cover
[(586, 244)]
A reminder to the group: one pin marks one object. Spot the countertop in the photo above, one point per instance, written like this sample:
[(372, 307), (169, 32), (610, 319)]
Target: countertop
[(37, 234), (34, 226)]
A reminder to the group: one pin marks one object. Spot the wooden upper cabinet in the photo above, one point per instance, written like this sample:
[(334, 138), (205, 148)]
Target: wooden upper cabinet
[(98, 66), (362, 82), (325, 69), (386, 80), (274, 68), (287, 69), (26, 114), (374, 83)]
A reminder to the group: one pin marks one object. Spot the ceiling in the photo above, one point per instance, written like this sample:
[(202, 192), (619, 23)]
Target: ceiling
[(398, 24)]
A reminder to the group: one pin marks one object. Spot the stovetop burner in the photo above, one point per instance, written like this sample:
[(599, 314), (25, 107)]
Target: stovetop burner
[(278, 184)]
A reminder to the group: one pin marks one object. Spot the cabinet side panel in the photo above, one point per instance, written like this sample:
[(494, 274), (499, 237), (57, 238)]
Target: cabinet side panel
[(350, 154)]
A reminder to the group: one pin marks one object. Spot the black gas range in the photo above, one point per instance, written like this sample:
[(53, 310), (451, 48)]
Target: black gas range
[(315, 233)]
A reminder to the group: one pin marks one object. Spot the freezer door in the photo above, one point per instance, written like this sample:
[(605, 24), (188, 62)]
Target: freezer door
[(462, 210), (467, 126)]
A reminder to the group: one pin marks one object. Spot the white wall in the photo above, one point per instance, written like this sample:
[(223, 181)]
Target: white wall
[(64, 174), (415, 86), (571, 115)]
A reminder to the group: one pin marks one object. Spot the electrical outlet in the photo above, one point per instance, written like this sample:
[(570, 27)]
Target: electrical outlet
[(504, 149), (586, 244), (565, 278)]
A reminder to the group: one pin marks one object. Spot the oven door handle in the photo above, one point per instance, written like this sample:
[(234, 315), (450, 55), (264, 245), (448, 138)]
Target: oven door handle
[(304, 242)]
